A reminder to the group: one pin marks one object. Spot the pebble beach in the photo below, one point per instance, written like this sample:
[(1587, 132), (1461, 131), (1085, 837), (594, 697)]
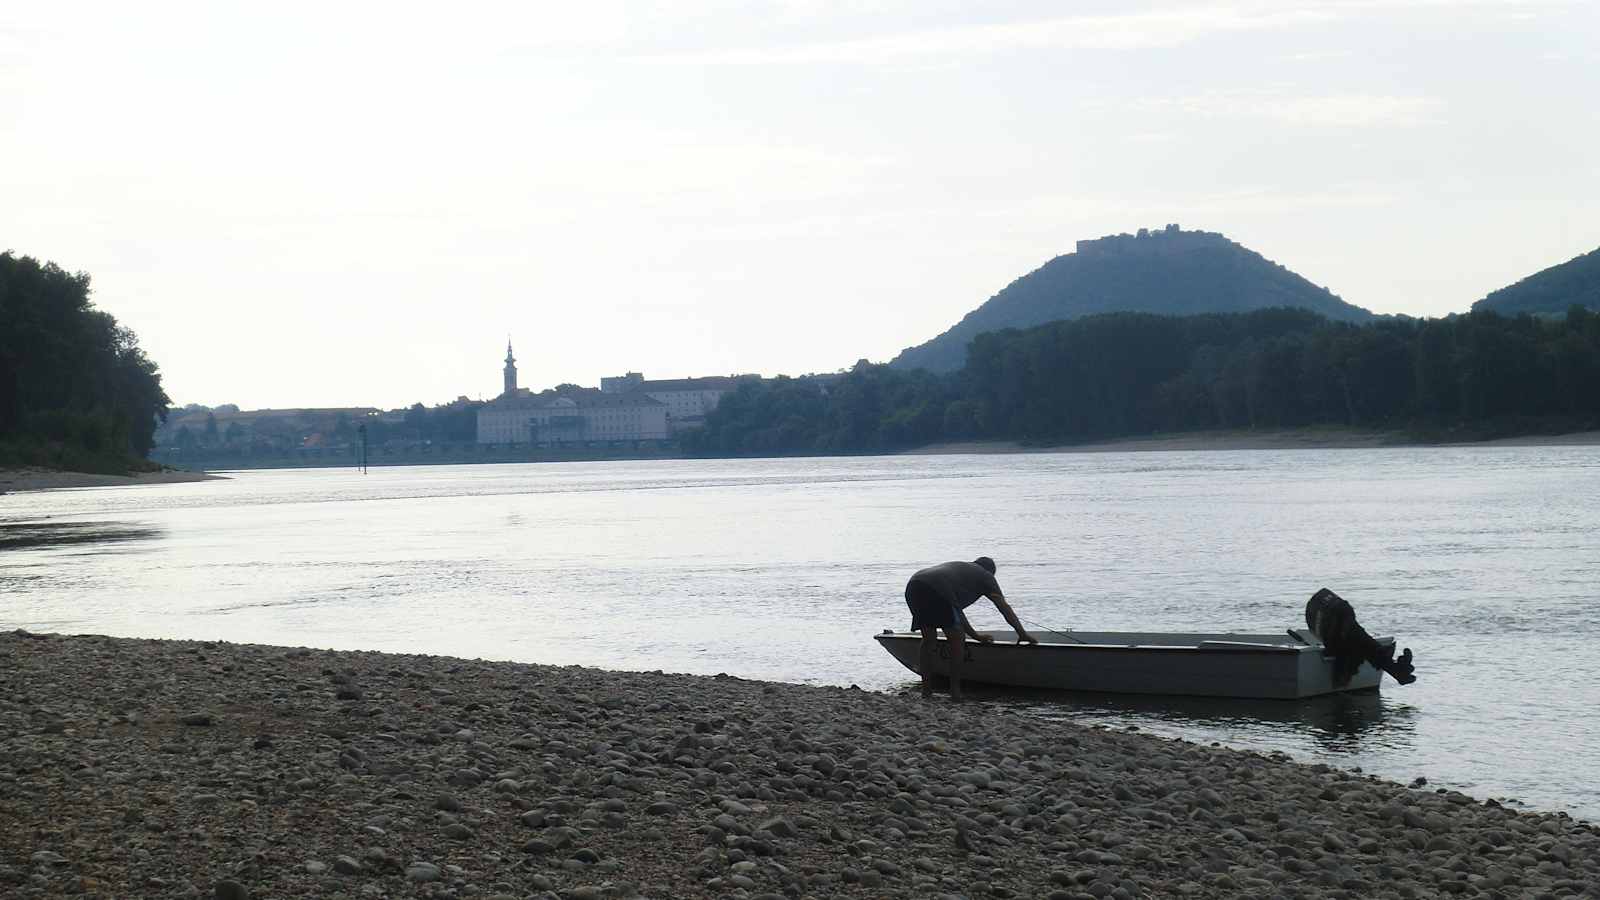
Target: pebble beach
[(141, 768)]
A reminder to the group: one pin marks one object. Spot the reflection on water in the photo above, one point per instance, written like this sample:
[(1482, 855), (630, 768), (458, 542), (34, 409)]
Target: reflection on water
[(17, 534), (1346, 724)]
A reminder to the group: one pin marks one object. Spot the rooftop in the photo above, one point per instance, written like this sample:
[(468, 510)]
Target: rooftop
[(582, 398)]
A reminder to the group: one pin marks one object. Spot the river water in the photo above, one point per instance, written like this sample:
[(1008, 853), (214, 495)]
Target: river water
[(1485, 561)]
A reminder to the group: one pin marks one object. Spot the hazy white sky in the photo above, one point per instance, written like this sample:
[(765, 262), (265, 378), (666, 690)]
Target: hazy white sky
[(341, 204)]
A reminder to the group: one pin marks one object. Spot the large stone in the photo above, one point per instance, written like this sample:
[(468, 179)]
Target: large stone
[(779, 827), (423, 871)]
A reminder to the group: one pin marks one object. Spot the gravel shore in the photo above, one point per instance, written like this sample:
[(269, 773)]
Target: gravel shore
[(135, 768)]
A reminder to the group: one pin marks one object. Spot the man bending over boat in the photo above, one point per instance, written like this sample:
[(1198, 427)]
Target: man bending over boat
[(1331, 619), (937, 597)]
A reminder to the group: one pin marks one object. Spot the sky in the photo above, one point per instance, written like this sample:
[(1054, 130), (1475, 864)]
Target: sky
[(356, 204)]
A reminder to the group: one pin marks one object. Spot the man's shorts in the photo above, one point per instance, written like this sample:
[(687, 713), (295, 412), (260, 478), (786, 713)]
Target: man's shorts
[(930, 607)]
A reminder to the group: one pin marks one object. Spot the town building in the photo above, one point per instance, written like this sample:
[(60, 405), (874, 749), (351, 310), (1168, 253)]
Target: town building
[(688, 400), (568, 417)]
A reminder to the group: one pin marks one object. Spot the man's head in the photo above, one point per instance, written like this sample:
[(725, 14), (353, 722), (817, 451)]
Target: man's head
[(985, 563)]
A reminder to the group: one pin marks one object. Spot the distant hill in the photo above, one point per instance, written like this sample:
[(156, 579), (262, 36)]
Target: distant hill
[(1168, 271), (1575, 282)]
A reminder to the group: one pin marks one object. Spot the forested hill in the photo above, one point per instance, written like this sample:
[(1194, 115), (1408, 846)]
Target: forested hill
[(1123, 374), (1575, 282), (1167, 271)]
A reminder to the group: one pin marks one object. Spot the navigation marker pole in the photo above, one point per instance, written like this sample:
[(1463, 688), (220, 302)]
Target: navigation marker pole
[(362, 429)]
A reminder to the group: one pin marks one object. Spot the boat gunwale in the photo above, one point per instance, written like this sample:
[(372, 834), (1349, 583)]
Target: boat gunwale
[(1274, 649)]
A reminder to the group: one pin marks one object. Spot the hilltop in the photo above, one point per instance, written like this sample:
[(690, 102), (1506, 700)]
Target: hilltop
[(1168, 271), (1575, 282)]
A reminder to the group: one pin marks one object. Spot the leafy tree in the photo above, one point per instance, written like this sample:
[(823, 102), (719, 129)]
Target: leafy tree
[(416, 421), (72, 381)]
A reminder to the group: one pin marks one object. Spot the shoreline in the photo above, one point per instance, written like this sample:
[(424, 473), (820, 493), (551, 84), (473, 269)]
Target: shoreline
[(37, 479), (1287, 439), (181, 768)]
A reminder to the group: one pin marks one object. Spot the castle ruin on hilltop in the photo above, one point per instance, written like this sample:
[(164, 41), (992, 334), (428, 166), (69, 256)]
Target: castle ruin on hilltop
[(1151, 242)]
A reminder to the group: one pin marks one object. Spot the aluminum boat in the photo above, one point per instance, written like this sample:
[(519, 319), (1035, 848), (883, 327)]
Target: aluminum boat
[(1288, 665)]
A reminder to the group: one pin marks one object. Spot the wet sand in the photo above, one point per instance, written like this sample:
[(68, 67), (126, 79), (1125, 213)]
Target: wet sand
[(183, 769)]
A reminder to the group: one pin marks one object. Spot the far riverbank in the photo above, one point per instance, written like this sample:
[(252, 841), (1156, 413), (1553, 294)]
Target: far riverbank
[(37, 479)]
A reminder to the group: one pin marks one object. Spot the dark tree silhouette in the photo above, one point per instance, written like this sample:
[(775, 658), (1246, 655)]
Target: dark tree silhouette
[(1125, 374), (75, 388)]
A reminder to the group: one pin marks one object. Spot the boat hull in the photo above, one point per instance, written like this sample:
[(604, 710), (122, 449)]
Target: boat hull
[(1189, 664)]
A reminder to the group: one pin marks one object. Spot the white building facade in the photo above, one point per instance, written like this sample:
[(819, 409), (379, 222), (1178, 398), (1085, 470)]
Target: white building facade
[(553, 419), (688, 400), (582, 416)]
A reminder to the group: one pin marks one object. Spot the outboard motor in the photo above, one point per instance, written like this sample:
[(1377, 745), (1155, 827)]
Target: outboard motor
[(1333, 621)]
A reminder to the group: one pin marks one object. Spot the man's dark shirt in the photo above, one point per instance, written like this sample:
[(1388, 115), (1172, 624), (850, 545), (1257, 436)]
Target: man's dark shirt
[(962, 582)]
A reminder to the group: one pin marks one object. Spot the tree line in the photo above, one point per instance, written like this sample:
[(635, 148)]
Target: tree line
[(1129, 374), (76, 390), (222, 432)]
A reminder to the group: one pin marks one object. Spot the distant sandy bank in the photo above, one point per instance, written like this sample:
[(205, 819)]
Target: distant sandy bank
[(31, 479), (1575, 439), (1289, 439)]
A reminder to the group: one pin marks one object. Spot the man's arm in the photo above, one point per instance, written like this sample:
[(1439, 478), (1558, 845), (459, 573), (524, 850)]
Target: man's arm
[(972, 632), (1023, 637)]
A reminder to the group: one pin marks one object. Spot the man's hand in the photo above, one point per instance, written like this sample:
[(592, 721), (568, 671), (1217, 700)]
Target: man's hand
[(983, 638), (1025, 638)]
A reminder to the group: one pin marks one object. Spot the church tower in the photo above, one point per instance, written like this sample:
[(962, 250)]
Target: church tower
[(511, 370)]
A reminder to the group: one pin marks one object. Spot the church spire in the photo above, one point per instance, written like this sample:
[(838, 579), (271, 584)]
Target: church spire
[(511, 369)]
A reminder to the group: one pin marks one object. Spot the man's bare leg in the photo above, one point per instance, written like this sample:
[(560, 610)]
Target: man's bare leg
[(925, 660), (956, 638)]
